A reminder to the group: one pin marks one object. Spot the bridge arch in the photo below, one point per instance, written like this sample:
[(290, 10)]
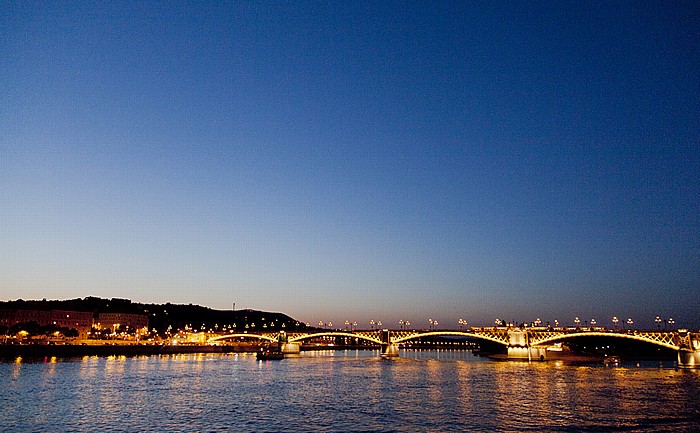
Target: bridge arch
[(663, 342), (488, 337), (299, 338), (229, 336)]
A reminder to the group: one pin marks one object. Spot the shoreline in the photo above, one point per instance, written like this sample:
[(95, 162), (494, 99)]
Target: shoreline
[(40, 351)]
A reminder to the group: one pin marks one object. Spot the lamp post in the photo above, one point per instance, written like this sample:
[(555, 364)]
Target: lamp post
[(401, 324), (577, 321), (615, 320), (630, 322), (593, 322), (431, 323), (671, 322), (657, 319), (371, 324), (407, 324)]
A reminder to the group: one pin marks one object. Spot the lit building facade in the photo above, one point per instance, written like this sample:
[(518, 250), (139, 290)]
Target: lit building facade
[(120, 321), (81, 321)]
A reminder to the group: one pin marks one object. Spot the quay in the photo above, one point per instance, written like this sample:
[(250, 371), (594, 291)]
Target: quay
[(40, 351)]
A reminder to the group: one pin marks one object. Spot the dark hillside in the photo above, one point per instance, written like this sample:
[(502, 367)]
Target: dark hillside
[(169, 316)]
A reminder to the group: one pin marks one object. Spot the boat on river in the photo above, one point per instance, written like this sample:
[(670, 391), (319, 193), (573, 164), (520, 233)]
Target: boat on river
[(612, 360), (271, 353)]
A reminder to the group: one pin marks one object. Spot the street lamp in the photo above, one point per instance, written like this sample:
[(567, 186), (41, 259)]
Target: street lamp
[(671, 322), (407, 324), (615, 320), (538, 321), (462, 324), (593, 322), (577, 321), (657, 319), (371, 324), (401, 323)]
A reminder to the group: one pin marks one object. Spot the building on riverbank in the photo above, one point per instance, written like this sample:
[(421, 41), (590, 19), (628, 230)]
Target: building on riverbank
[(120, 321), (81, 321)]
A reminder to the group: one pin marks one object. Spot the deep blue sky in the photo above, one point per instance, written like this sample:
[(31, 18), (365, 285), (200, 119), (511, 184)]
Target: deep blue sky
[(338, 160)]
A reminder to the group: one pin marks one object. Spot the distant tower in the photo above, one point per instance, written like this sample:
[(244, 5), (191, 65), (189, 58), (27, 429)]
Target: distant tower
[(234, 306)]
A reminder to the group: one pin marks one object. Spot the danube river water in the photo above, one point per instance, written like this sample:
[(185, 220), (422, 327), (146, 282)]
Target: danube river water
[(343, 391)]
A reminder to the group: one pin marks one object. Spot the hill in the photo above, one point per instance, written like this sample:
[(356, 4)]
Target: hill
[(169, 316)]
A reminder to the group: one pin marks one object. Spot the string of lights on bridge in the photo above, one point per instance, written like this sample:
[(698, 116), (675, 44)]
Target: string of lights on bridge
[(462, 323)]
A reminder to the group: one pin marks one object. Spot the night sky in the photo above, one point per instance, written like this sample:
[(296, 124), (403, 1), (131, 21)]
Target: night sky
[(353, 161)]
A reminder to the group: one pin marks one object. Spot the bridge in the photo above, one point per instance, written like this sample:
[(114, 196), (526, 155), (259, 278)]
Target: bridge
[(521, 342)]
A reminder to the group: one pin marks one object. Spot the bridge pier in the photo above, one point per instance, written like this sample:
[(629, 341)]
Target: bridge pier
[(389, 349), (285, 346), (518, 345), (689, 353), (688, 359), (290, 348)]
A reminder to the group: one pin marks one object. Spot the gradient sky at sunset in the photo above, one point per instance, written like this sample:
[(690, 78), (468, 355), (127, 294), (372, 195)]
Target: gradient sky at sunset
[(345, 160)]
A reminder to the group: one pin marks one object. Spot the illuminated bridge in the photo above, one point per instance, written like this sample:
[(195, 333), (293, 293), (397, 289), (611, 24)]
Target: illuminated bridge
[(521, 343)]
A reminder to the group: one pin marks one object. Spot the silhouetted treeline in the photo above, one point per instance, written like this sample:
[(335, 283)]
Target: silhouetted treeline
[(173, 317)]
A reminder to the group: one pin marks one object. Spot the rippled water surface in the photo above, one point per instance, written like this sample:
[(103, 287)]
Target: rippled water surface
[(342, 391)]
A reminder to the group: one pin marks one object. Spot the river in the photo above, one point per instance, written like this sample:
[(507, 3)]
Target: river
[(343, 391)]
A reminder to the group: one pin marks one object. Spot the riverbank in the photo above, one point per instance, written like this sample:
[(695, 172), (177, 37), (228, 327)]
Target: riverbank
[(40, 351)]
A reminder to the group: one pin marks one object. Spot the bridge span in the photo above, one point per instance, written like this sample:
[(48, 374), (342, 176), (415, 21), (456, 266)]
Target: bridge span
[(521, 342)]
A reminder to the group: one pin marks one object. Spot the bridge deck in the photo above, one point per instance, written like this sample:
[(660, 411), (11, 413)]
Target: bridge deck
[(507, 336)]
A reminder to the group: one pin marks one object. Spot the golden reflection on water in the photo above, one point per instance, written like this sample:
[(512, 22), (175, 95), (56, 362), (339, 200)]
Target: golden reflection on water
[(170, 392), (16, 368), (49, 371), (625, 378), (546, 392), (464, 397), (433, 377)]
